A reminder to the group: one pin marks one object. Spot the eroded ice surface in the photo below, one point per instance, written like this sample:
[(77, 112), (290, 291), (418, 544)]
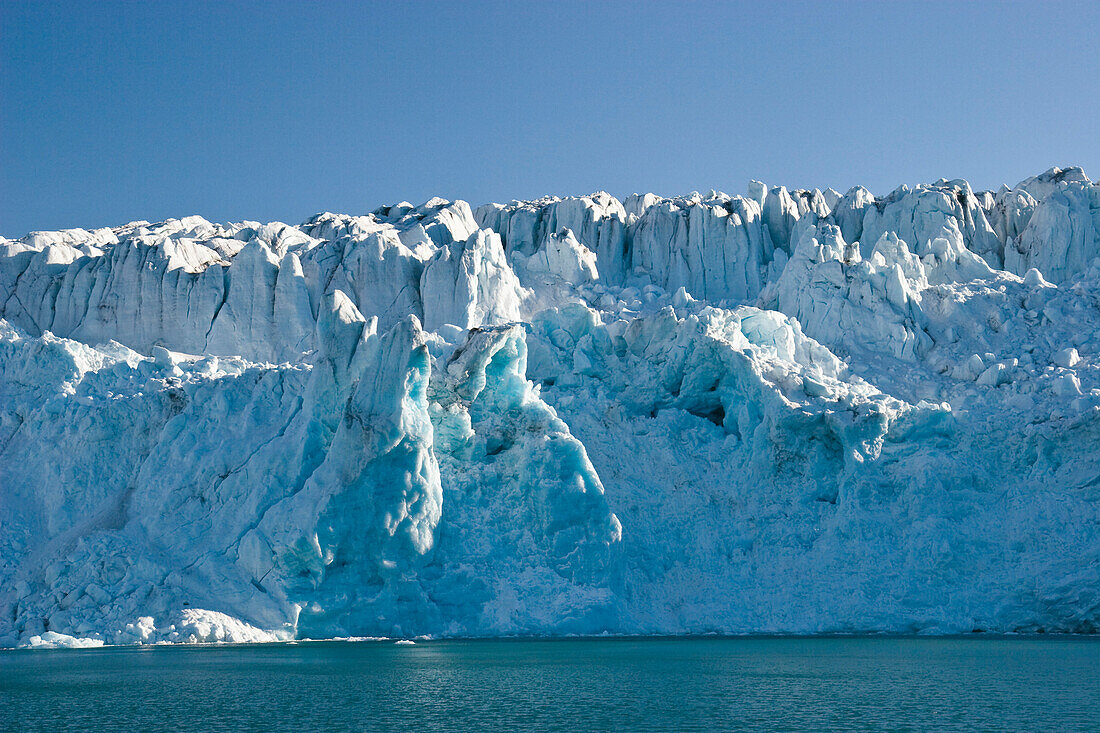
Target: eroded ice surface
[(788, 411)]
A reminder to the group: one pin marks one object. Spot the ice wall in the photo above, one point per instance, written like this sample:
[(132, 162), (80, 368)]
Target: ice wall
[(789, 411)]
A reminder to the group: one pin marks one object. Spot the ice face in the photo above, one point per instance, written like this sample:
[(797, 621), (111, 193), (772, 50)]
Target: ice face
[(793, 411)]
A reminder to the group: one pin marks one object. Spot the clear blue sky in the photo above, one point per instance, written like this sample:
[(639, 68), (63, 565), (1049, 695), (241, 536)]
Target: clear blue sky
[(117, 111)]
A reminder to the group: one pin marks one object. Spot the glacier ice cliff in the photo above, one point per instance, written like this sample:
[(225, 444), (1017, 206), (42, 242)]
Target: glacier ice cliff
[(787, 411)]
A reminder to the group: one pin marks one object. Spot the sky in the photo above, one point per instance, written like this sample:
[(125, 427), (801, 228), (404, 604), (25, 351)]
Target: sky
[(116, 111)]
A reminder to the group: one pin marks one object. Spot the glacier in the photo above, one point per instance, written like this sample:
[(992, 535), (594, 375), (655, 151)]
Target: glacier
[(787, 411)]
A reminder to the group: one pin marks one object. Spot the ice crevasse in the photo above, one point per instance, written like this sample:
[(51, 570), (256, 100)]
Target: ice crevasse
[(786, 411)]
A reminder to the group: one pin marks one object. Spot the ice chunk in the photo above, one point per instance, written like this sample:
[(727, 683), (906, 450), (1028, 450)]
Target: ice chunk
[(54, 640), (1066, 358)]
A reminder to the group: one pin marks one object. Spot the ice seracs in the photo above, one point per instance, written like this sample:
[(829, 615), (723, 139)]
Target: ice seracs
[(562, 256), (470, 283), (788, 411)]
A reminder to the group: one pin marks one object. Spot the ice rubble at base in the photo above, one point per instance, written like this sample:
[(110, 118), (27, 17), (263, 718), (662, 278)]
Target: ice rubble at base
[(790, 411)]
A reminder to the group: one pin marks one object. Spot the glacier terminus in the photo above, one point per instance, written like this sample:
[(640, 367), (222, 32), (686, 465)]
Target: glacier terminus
[(786, 411)]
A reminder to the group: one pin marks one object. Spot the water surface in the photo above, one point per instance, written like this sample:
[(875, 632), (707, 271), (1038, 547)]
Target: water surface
[(817, 684)]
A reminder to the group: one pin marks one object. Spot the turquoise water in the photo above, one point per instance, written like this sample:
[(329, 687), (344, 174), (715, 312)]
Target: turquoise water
[(587, 685)]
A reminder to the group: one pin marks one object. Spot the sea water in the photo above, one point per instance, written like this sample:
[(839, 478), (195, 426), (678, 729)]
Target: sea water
[(811, 684)]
